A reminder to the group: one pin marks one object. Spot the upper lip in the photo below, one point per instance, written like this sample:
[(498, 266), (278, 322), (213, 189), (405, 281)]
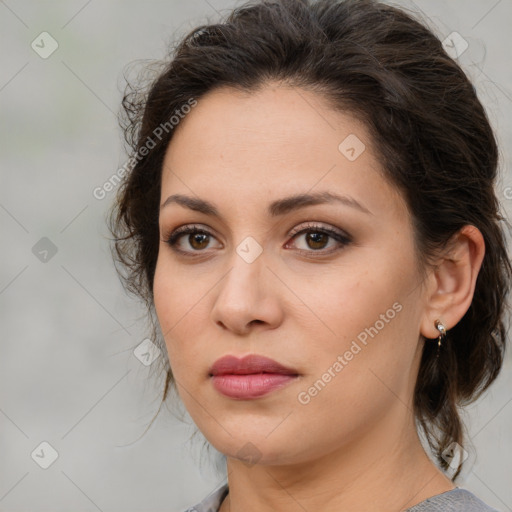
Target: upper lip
[(248, 365)]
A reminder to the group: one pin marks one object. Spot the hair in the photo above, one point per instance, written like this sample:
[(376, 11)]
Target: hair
[(426, 124)]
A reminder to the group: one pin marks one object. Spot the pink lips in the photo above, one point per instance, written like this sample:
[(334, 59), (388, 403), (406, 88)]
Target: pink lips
[(251, 377)]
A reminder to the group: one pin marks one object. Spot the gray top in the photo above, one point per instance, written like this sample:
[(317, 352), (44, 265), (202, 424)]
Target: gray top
[(456, 500)]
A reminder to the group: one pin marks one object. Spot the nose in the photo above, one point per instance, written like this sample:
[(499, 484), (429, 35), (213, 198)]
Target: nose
[(248, 298)]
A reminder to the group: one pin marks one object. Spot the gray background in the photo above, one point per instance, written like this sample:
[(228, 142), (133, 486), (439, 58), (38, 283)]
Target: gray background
[(68, 375)]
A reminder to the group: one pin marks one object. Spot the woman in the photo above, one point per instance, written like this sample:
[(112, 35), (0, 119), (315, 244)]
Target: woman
[(311, 217)]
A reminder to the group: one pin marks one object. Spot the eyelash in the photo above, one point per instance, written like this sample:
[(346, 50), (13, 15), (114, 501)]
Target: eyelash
[(342, 239)]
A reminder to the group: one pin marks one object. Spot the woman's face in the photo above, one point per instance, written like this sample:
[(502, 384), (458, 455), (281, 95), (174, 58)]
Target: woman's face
[(327, 288)]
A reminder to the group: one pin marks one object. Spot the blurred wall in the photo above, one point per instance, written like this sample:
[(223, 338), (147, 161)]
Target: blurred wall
[(68, 373)]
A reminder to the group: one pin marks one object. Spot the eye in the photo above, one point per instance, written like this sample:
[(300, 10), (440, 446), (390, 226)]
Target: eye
[(316, 239), (198, 239)]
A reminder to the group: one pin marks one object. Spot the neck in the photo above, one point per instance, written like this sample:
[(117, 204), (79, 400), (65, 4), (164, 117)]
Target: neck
[(384, 469)]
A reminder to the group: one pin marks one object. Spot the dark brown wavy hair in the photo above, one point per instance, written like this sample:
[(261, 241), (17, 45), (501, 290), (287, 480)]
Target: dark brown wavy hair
[(426, 123)]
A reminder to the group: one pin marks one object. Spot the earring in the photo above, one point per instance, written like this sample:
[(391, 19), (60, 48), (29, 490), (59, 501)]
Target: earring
[(442, 334)]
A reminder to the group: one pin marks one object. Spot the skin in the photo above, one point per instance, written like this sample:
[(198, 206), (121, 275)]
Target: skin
[(354, 446)]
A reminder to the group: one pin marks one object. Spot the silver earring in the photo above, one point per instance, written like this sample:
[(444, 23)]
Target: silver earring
[(442, 333)]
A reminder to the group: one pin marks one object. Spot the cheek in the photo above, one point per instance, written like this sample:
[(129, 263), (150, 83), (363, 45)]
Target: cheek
[(180, 304), (165, 288), (171, 301), (369, 311), (346, 300)]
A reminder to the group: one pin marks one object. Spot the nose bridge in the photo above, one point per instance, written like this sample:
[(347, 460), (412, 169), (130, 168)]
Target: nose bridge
[(245, 295), (244, 279)]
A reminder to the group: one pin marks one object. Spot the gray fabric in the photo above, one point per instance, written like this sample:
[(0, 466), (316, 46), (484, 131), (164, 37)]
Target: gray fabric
[(456, 500), (212, 502)]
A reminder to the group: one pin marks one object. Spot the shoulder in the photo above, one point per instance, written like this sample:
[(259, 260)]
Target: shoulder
[(212, 502), (456, 500)]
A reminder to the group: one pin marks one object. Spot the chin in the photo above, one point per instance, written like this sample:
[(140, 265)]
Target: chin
[(256, 448)]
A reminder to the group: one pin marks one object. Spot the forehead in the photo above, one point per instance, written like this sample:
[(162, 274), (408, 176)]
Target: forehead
[(279, 138), (277, 116)]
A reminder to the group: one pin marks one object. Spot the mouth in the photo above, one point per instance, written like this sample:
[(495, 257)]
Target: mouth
[(250, 377)]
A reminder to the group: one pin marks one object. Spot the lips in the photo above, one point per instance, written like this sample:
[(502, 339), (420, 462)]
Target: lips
[(248, 365), (250, 377)]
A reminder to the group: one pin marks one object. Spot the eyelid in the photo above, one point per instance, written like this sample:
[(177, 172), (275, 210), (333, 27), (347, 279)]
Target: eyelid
[(174, 234), (311, 225), (296, 230), (341, 237)]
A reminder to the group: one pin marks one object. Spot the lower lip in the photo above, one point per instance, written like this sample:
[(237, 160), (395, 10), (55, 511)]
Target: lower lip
[(250, 386)]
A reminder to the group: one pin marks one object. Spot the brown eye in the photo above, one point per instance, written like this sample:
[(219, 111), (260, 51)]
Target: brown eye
[(317, 240), (198, 239)]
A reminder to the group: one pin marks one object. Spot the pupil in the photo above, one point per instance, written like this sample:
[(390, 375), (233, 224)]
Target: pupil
[(317, 238), (197, 238)]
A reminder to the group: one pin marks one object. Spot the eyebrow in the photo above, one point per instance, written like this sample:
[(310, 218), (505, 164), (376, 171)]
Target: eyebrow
[(276, 208)]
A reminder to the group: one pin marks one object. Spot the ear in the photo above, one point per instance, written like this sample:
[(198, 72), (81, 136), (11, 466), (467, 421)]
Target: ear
[(452, 283)]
